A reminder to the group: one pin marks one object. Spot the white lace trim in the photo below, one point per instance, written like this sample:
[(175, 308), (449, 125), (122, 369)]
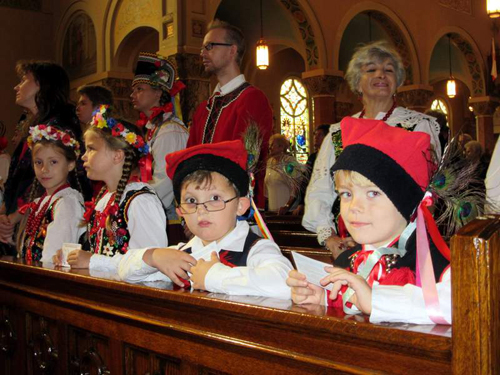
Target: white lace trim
[(323, 235)]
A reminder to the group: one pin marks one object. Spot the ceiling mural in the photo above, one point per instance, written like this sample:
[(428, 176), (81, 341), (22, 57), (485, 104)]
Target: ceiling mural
[(306, 31), (475, 71), (464, 6)]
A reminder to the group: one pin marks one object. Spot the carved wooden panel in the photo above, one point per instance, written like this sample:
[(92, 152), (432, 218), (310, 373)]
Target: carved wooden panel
[(42, 338), (139, 361), (9, 339), (89, 353)]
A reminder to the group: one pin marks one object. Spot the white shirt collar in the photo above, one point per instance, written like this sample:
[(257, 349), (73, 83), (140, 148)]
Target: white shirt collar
[(231, 85), (234, 241)]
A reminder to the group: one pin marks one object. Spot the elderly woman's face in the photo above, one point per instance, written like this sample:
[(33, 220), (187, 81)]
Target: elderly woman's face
[(277, 147), (378, 80)]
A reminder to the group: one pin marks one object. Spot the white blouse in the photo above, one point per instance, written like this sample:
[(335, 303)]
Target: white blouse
[(265, 274), (492, 181), (392, 303), (172, 136), (146, 224), (320, 194), (67, 223)]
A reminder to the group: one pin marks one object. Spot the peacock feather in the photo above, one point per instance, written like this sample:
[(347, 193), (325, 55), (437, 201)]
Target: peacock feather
[(458, 190)]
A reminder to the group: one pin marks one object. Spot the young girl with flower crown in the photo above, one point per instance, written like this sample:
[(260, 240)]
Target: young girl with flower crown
[(126, 214), (55, 217)]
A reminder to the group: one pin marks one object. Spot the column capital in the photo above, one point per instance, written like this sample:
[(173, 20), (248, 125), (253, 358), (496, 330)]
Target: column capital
[(343, 109), (415, 97), (322, 81), (484, 105)]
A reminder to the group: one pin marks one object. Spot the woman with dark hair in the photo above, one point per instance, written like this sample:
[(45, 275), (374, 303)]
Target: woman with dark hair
[(43, 92)]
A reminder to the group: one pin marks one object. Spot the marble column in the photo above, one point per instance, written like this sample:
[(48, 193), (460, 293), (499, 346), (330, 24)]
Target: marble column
[(415, 97), (484, 108), (322, 85), (121, 89), (192, 73)]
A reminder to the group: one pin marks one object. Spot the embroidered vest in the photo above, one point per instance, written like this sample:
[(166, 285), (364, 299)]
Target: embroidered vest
[(41, 234), (215, 106), (110, 242)]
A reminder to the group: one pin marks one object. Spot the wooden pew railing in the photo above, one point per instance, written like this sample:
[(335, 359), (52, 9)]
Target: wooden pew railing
[(67, 322)]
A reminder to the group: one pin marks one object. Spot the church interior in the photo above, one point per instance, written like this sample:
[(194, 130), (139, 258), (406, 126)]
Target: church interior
[(77, 322)]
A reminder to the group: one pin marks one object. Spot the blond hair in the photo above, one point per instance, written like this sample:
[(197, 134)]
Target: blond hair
[(345, 177)]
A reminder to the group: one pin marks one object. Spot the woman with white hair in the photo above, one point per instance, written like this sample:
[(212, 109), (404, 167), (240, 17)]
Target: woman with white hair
[(374, 74), (279, 190)]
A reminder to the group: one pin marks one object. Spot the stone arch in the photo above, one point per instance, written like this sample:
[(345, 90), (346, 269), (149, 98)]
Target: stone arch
[(141, 39), (393, 26), (310, 31), (121, 18), (80, 20), (471, 55)]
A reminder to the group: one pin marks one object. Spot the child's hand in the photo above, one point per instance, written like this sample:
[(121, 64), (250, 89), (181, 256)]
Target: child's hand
[(362, 298), (338, 245), (171, 262), (57, 258), (79, 258), (6, 229), (199, 272), (303, 291)]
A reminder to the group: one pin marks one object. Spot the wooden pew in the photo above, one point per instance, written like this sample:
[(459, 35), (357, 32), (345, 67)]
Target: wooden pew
[(284, 222), (319, 253), (292, 238), (64, 322)]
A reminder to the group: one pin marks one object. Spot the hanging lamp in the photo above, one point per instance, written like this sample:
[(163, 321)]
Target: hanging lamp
[(262, 47), (493, 8), (451, 86)]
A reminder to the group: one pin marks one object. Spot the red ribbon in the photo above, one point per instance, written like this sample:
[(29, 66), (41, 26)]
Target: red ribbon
[(433, 230), (146, 167), (155, 111), (89, 209), (22, 210), (143, 120), (176, 87)]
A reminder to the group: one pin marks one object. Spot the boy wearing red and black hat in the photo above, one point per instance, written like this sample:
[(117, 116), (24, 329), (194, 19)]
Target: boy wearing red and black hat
[(381, 177), (211, 186)]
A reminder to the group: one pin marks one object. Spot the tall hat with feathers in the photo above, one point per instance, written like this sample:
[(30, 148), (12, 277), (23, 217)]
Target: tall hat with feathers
[(159, 72)]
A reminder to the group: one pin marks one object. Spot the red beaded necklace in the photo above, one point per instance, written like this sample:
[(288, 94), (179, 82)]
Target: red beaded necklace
[(35, 218), (387, 115)]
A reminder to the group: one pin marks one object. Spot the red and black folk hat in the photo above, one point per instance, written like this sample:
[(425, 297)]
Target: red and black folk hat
[(394, 159), (155, 70), (227, 158)]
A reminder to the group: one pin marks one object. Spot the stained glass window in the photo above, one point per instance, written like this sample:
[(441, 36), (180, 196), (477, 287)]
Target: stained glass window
[(294, 116), (439, 105)]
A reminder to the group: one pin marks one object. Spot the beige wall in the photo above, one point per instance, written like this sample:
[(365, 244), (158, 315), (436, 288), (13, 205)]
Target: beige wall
[(23, 35), (39, 35)]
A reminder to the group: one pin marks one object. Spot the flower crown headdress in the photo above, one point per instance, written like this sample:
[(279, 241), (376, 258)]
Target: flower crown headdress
[(102, 120), (52, 133)]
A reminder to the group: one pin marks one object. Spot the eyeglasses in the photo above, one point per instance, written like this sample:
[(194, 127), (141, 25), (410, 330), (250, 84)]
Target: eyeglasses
[(211, 45), (210, 206)]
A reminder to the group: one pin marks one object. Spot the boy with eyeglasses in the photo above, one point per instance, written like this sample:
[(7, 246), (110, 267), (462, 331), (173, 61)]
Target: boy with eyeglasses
[(210, 186)]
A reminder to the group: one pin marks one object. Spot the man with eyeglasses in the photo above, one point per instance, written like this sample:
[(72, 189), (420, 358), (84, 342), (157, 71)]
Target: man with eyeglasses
[(234, 102)]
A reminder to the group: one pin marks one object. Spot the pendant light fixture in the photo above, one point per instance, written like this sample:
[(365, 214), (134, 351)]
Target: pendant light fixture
[(451, 86), (493, 8), (262, 47)]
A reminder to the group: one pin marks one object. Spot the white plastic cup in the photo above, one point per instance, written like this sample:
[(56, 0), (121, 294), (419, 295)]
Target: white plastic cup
[(67, 248)]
